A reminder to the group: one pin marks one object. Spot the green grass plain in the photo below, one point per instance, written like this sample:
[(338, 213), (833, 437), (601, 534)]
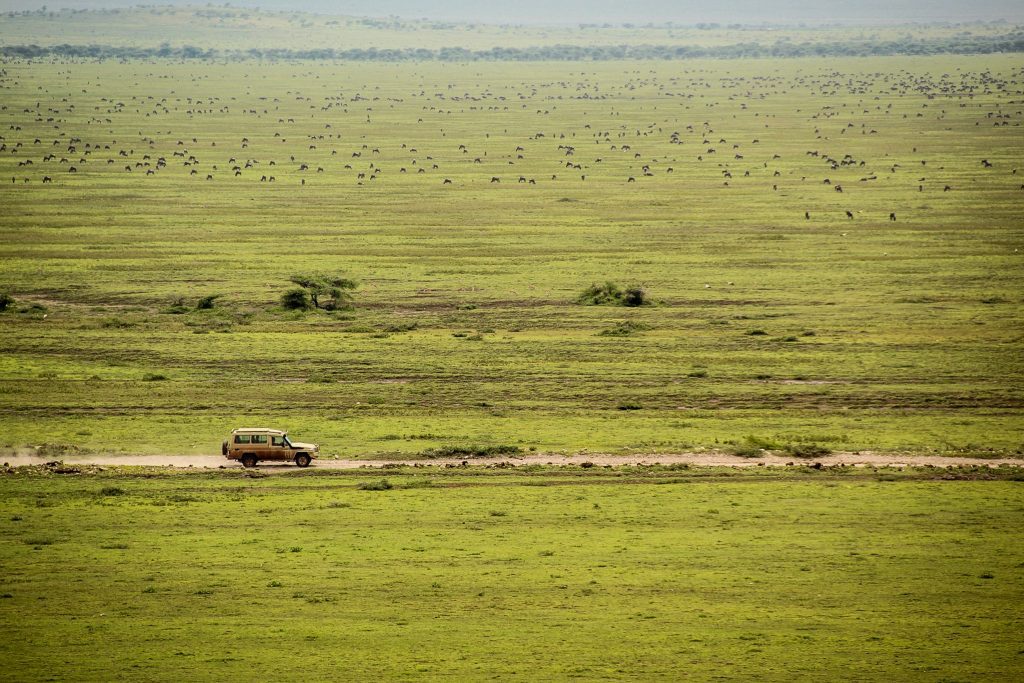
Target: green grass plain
[(552, 574), (878, 335)]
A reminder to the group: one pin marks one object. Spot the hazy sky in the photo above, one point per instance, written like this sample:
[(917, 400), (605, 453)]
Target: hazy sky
[(599, 11)]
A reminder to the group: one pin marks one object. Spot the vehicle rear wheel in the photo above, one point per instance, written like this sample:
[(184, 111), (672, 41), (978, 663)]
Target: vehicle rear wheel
[(248, 460), (302, 460)]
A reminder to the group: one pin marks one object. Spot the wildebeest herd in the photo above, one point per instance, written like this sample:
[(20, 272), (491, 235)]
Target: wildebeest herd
[(672, 127)]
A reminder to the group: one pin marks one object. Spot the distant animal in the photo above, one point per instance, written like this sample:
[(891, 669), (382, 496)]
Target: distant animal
[(849, 214), (892, 216), (495, 179), (446, 182)]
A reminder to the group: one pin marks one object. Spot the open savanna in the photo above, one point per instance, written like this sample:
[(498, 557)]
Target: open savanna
[(556, 574), (773, 313)]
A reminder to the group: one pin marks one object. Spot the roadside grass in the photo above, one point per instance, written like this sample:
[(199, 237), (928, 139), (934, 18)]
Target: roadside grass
[(633, 572)]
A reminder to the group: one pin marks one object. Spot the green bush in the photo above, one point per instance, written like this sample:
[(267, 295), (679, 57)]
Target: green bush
[(207, 302), (624, 329), (471, 451), (600, 295), (6, 301), (806, 450), (634, 296), (296, 299), (382, 485), (753, 447), (177, 308)]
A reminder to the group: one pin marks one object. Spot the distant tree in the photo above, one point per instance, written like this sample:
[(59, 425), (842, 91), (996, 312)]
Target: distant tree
[(296, 299), (207, 302), (634, 296), (327, 293), (610, 294)]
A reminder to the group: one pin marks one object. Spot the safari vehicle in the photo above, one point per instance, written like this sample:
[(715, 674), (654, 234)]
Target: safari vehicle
[(253, 444)]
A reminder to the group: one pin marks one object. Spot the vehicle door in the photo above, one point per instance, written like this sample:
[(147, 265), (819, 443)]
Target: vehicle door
[(261, 446), (279, 448), (241, 443)]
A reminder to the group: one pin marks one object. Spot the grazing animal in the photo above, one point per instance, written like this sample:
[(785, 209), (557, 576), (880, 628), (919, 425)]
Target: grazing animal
[(47, 179), (892, 216), (849, 214), (495, 179), (807, 215), (446, 181)]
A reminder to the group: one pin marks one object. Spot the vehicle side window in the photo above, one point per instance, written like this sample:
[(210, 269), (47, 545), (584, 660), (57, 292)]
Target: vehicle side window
[(277, 440), (259, 438), (241, 438)]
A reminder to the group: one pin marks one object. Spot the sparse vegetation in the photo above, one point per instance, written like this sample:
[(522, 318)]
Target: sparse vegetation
[(610, 294), (323, 292), (624, 328), (471, 451)]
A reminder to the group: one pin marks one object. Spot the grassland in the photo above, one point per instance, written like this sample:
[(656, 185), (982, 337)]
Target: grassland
[(555, 574), (877, 334)]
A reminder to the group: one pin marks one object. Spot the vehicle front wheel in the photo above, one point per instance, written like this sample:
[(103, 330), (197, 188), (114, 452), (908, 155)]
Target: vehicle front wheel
[(248, 460), (303, 460)]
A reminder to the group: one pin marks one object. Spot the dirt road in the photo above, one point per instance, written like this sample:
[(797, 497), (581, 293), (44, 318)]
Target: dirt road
[(696, 459)]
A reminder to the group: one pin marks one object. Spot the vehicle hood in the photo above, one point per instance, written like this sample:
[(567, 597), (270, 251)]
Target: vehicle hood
[(305, 446)]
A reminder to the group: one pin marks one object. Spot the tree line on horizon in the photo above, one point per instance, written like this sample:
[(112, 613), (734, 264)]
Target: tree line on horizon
[(1010, 42)]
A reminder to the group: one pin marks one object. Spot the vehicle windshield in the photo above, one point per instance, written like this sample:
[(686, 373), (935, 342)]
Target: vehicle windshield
[(287, 442)]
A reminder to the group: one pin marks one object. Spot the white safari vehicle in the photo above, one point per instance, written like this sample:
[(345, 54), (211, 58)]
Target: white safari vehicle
[(253, 444)]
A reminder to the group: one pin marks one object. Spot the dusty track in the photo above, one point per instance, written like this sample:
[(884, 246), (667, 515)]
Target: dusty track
[(696, 459)]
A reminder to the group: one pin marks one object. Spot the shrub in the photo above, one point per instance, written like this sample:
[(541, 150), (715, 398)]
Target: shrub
[(295, 299), (382, 485), (5, 301), (328, 293), (471, 451), (630, 406), (153, 377), (207, 302), (112, 491), (177, 308), (634, 296), (806, 450), (756, 333), (624, 329), (600, 295), (753, 446)]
